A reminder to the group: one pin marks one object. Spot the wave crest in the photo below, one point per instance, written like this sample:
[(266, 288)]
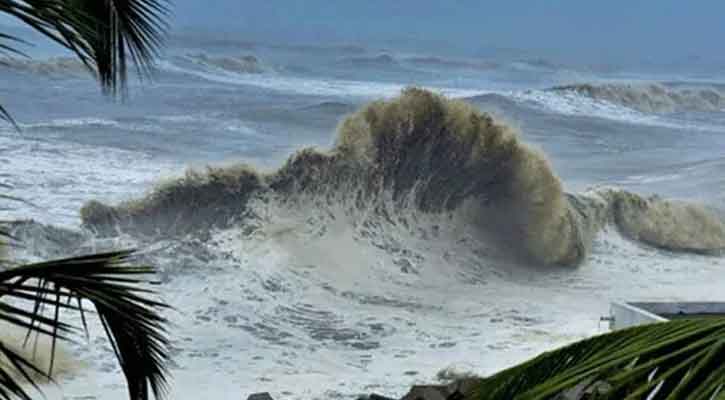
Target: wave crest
[(382, 60), (439, 62), (651, 97), (432, 155), (246, 64), (53, 67)]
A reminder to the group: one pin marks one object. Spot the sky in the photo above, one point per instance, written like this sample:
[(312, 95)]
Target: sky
[(593, 30)]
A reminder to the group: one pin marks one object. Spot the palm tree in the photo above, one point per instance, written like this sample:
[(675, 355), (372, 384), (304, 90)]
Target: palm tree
[(676, 360), (106, 35)]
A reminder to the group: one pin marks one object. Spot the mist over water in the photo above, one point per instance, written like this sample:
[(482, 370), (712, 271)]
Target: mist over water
[(352, 235)]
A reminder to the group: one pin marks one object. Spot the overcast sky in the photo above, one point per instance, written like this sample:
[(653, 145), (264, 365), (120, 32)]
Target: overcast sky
[(599, 29)]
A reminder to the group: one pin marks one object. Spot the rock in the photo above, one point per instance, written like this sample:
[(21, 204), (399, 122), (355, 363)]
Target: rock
[(378, 397), (260, 396), (433, 392), (458, 390)]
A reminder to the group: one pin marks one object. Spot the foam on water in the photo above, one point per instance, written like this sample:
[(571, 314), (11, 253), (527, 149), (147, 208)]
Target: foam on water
[(575, 104), (314, 290), (652, 97), (71, 123), (305, 307), (55, 176), (423, 152), (302, 284), (308, 86)]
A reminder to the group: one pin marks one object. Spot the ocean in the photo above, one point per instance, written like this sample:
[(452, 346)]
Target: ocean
[(420, 237)]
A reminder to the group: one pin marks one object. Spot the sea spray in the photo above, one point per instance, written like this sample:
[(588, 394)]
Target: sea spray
[(425, 153)]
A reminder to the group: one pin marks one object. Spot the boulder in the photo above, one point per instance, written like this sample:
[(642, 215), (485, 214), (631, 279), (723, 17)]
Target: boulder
[(260, 396), (433, 392), (378, 397), (458, 390)]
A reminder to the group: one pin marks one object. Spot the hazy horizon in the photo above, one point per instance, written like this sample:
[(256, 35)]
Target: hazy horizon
[(616, 32)]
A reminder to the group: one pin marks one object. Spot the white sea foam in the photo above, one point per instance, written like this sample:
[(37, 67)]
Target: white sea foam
[(572, 103), (311, 86), (56, 176)]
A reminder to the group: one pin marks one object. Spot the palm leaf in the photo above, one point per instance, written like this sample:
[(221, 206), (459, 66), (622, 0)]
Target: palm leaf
[(5, 116), (114, 31), (683, 359), (9, 50), (126, 310), (103, 34)]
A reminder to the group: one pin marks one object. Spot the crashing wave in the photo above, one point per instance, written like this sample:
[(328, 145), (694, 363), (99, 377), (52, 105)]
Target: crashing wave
[(434, 156), (58, 66), (247, 64), (651, 97)]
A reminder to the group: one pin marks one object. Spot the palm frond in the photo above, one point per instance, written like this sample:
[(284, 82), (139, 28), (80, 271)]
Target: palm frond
[(115, 31), (103, 34), (126, 310), (8, 49), (5, 116), (683, 359), (9, 385)]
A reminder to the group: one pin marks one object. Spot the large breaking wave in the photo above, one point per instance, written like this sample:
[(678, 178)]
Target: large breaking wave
[(420, 154), (651, 97)]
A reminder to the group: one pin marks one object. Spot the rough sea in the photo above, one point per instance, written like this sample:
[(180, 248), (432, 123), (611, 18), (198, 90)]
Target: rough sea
[(306, 299)]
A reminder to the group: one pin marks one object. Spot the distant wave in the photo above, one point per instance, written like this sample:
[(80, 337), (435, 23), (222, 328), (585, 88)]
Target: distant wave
[(438, 62), (421, 154), (59, 66), (311, 86), (330, 107), (651, 97), (331, 49), (247, 64), (382, 60), (537, 63), (72, 123), (567, 102)]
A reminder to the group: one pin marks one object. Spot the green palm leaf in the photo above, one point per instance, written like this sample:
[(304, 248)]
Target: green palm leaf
[(103, 34), (5, 116), (113, 31), (677, 360), (126, 310)]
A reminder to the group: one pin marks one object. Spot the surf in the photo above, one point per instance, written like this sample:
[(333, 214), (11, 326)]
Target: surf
[(651, 97), (420, 154)]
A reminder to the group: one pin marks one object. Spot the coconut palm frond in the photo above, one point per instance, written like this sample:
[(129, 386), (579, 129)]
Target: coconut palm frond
[(682, 359), (103, 34), (7, 49), (126, 310), (9, 386), (115, 31), (5, 116)]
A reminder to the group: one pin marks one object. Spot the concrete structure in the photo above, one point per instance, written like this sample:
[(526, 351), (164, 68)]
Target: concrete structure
[(624, 315)]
